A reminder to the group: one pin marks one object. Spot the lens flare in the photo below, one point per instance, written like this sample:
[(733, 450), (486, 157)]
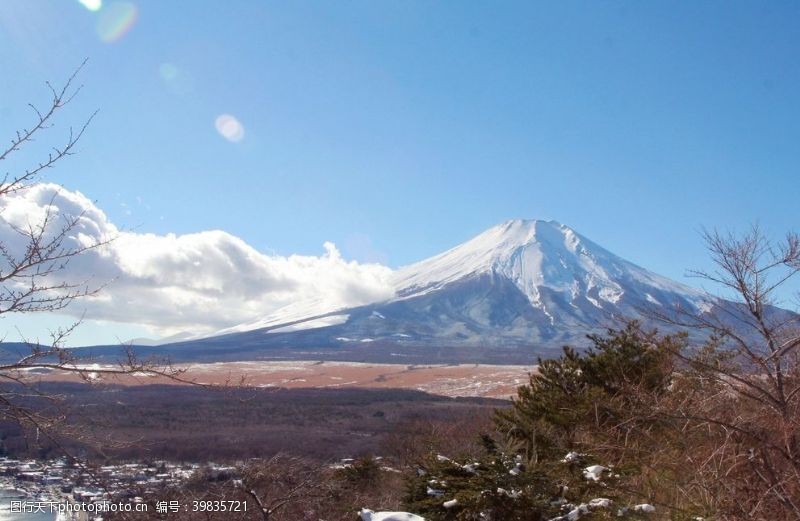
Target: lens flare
[(168, 71), (92, 5), (116, 20), (175, 79), (229, 127)]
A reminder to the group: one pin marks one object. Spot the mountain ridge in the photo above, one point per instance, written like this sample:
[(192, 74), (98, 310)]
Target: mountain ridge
[(519, 289)]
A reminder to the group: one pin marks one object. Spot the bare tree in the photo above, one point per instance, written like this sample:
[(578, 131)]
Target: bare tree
[(283, 481), (282, 487), (748, 375), (34, 278), (28, 281)]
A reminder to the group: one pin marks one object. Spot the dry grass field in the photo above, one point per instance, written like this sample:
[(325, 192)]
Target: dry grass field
[(457, 380)]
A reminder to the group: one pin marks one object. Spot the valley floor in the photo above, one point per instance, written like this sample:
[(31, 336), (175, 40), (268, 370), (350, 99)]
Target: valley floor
[(198, 424), (456, 380)]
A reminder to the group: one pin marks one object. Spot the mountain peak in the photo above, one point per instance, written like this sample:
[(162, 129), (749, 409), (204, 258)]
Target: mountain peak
[(524, 232), (528, 222), (526, 225), (535, 255), (517, 249), (523, 282)]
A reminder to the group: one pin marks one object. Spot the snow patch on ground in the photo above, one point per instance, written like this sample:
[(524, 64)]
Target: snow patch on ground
[(369, 515), (594, 472)]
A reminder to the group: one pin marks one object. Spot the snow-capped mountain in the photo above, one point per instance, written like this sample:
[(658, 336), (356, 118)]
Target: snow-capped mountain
[(544, 260), (519, 288), (523, 283)]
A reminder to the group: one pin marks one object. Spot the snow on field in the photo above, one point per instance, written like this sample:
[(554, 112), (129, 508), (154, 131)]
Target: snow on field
[(464, 380), (369, 515), (594, 472)]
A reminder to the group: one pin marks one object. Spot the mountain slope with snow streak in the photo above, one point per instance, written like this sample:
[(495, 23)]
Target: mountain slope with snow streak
[(521, 288), (537, 255)]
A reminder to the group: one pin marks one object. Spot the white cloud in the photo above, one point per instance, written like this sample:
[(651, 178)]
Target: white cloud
[(200, 282)]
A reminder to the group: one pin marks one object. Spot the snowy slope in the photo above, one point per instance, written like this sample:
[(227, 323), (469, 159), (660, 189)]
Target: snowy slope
[(526, 284), (535, 255)]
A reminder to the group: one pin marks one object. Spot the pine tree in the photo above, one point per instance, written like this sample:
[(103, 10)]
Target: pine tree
[(571, 442)]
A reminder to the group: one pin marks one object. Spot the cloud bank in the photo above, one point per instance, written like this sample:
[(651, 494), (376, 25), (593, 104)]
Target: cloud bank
[(199, 282)]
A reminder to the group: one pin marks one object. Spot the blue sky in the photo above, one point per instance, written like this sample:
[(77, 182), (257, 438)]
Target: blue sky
[(398, 129)]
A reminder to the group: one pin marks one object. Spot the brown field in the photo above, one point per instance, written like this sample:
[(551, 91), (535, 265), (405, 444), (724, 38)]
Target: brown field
[(474, 380)]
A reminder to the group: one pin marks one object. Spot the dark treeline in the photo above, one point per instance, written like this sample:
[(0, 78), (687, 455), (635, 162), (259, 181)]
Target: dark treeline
[(196, 424)]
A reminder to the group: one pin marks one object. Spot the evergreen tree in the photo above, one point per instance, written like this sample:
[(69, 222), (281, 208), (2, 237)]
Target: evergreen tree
[(569, 445)]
